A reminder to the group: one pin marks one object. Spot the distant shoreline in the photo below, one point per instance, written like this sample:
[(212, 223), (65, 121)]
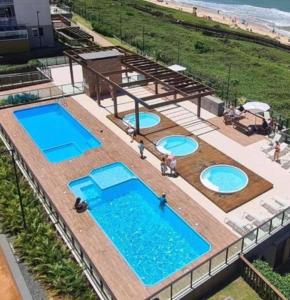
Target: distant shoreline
[(220, 17)]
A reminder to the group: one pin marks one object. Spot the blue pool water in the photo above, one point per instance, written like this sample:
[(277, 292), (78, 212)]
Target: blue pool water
[(146, 119), (224, 178), (154, 241), (177, 145), (56, 133)]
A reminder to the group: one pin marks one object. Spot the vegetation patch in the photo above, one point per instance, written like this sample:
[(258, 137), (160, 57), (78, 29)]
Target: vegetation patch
[(282, 283), (39, 247), (262, 72), (31, 65)]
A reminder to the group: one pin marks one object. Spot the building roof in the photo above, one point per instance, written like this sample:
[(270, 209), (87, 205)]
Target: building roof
[(100, 54)]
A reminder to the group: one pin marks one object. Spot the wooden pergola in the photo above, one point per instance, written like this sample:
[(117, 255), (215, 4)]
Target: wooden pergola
[(177, 85)]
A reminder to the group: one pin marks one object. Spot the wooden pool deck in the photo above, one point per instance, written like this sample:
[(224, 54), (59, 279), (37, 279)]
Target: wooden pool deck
[(190, 167), (55, 177)]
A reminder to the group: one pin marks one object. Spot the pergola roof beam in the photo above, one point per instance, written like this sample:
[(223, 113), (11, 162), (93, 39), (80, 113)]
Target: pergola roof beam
[(137, 82), (152, 97), (117, 72), (165, 103)]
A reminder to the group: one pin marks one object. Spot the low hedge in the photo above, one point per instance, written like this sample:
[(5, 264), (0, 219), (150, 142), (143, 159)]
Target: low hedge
[(282, 283), (39, 247), (31, 65)]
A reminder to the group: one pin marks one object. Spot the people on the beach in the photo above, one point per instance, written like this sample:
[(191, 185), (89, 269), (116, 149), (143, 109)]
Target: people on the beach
[(131, 132), (163, 166), (141, 149), (277, 152), (80, 205)]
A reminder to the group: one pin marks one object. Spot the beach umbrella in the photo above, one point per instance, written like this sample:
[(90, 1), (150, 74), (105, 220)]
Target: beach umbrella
[(256, 107)]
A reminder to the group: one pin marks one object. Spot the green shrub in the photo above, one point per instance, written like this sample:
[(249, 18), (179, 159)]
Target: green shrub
[(29, 66), (201, 47), (282, 283), (263, 72), (39, 247)]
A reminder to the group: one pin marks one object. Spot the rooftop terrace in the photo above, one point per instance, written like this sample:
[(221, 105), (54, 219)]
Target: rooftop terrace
[(206, 211)]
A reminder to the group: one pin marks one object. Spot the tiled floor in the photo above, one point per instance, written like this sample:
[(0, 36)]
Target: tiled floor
[(54, 178), (190, 166)]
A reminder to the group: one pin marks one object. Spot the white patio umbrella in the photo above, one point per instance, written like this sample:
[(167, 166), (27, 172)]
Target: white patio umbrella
[(256, 107)]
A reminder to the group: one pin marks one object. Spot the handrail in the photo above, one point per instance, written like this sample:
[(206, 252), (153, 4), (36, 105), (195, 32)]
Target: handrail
[(276, 292), (83, 256), (243, 249), (40, 95)]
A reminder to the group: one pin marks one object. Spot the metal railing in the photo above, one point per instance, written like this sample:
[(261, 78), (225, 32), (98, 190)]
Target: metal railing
[(54, 61), (90, 270), (13, 99), (259, 283), (201, 273), (20, 79)]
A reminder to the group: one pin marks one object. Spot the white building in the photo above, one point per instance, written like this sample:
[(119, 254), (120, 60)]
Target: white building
[(25, 24)]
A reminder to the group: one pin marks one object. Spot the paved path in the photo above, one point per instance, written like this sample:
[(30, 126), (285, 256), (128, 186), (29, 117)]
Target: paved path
[(8, 289), (98, 38)]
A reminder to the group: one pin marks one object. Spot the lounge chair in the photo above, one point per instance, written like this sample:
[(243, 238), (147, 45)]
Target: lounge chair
[(257, 220), (248, 130), (285, 161), (241, 226), (273, 208)]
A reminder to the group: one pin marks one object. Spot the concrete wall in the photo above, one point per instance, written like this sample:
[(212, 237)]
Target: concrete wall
[(13, 46), (212, 104), (26, 14)]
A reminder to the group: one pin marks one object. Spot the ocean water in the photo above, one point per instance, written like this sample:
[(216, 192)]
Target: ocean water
[(272, 13)]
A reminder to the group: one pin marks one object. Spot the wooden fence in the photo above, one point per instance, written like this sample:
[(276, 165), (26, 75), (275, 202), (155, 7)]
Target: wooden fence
[(258, 282)]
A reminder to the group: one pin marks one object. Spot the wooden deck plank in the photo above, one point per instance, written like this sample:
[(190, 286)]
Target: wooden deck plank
[(190, 167), (55, 177)]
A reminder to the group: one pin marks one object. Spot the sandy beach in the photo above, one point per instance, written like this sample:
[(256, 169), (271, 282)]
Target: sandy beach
[(218, 16)]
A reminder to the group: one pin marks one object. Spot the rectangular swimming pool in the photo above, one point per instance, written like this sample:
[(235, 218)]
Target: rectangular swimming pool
[(56, 132), (154, 240)]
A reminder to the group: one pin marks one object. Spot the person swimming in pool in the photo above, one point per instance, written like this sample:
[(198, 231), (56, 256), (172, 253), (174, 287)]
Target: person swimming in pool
[(163, 200), (80, 205)]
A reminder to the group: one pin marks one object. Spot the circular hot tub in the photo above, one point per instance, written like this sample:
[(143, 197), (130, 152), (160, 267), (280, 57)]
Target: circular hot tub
[(146, 119), (225, 179), (177, 145)]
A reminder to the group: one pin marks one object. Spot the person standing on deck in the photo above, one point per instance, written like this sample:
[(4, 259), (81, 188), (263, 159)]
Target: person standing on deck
[(141, 149), (277, 152)]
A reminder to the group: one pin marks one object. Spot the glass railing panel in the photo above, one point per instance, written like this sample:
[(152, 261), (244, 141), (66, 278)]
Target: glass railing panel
[(235, 250), (181, 284), (163, 295), (200, 272), (263, 230), (250, 239), (56, 91), (277, 221), (286, 218), (44, 93), (218, 260)]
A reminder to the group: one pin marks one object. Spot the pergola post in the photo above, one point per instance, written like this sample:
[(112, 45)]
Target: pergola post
[(137, 117), (71, 72), (98, 92), (156, 87), (198, 106), (114, 98)]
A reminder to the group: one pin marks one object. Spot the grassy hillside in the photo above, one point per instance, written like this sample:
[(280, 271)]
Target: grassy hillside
[(258, 72)]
